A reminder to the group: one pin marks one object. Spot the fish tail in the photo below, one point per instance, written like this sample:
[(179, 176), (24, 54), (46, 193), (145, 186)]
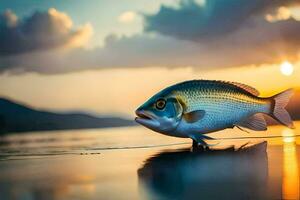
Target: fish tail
[(278, 111)]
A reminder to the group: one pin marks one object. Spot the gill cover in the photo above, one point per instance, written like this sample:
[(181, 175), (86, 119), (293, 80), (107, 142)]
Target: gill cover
[(171, 115), (178, 108)]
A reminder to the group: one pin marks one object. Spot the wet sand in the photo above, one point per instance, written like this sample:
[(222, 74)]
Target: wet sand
[(135, 163)]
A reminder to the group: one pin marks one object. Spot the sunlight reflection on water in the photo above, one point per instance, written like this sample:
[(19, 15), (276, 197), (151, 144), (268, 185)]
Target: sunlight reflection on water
[(290, 182), (96, 164)]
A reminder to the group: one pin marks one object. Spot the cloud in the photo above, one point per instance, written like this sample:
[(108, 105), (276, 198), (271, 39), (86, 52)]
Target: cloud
[(40, 31), (159, 51), (284, 13), (127, 17), (136, 51), (214, 18), (231, 33)]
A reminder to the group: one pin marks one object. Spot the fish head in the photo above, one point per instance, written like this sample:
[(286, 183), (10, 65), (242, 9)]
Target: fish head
[(161, 113)]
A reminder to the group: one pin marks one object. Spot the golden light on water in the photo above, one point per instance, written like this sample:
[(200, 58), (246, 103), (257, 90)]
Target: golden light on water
[(288, 135), (286, 68), (290, 182)]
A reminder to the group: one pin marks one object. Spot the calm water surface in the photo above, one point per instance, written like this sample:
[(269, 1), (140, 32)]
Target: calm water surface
[(135, 163)]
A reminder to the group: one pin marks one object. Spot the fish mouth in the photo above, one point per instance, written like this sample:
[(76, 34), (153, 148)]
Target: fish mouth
[(146, 119), (143, 115)]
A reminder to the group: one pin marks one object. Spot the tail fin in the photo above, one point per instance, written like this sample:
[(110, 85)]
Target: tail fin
[(279, 112)]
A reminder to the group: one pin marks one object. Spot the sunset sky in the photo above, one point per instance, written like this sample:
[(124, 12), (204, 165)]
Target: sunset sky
[(108, 56)]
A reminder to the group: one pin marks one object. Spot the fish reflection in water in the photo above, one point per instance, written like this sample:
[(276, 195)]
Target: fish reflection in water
[(219, 174)]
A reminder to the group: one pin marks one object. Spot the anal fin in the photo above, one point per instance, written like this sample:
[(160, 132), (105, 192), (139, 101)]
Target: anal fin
[(255, 122)]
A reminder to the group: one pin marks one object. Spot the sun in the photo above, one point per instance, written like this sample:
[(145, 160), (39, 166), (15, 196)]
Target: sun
[(286, 68)]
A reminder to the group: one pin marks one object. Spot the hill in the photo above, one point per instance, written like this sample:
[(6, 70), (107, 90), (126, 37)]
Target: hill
[(16, 117)]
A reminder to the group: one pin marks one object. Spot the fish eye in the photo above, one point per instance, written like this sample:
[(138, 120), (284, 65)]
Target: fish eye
[(160, 104)]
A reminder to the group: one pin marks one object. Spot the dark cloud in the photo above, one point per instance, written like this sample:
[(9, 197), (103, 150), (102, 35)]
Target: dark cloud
[(215, 18), (147, 51), (137, 51), (40, 31), (245, 37)]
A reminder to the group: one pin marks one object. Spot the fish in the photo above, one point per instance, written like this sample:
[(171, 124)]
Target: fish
[(195, 108)]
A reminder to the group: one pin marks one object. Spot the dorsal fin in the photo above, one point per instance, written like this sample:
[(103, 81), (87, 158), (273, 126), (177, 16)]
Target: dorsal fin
[(248, 88), (242, 86)]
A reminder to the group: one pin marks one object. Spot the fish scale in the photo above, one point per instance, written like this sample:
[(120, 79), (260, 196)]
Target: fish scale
[(199, 98), (224, 104)]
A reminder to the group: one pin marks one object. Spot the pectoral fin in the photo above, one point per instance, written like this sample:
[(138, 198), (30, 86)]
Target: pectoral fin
[(255, 122), (199, 139), (194, 116)]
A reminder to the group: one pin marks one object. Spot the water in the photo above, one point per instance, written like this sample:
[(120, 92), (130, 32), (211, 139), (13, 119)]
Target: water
[(135, 163)]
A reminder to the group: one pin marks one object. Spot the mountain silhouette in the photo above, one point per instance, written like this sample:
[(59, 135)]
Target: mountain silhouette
[(16, 117)]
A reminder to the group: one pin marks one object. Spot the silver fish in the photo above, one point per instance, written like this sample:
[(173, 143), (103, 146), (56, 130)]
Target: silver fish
[(194, 108)]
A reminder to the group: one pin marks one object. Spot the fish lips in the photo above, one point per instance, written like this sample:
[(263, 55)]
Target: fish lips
[(146, 119)]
